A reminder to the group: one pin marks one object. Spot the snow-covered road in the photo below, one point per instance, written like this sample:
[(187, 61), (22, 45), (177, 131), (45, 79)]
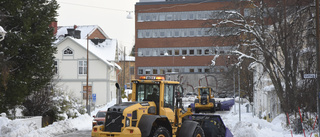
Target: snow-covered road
[(248, 127)]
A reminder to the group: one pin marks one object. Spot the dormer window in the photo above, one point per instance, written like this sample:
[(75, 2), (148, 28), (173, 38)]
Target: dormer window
[(68, 51)]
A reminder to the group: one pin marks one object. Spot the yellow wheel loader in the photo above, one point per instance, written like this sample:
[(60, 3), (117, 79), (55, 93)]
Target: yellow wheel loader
[(205, 100), (156, 111)]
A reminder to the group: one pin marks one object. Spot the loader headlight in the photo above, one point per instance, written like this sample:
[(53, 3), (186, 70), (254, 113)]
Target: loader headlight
[(127, 122)]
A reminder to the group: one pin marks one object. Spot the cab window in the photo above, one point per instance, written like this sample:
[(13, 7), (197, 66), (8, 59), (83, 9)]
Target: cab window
[(169, 96), (144, 92), (204, 91)]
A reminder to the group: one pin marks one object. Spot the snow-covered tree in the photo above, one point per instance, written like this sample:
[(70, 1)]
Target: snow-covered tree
[(277, 33), (27, 59)]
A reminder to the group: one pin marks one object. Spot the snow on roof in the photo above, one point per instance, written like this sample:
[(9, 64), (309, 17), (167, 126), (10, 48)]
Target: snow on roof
[(105, 51), (85, 29), (127, 58)]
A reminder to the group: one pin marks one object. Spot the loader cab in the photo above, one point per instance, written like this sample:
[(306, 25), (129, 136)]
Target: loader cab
[(205, 91), (157, 89)]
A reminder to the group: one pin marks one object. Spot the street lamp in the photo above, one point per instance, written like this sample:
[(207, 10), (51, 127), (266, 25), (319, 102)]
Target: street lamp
[(129, 16)]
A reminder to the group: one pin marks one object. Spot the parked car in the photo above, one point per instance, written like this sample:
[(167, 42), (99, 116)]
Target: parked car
[(99, 118)]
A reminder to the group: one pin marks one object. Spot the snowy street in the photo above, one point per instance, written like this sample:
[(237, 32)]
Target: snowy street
[(80, 133), (80, 127)]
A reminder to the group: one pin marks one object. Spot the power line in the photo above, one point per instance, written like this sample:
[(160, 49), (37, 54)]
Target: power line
[(95, 7)]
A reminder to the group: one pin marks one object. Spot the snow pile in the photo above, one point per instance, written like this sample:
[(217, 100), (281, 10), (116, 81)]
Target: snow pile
[(252, 126), (17, 128)]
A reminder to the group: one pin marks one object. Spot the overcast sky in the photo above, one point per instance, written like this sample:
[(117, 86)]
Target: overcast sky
[(110, 15)]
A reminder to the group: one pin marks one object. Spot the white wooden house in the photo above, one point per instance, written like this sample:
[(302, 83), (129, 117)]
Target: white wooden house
[(71, 63)]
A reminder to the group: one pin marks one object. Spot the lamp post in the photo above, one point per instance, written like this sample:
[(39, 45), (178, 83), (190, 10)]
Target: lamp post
[(318, 59)]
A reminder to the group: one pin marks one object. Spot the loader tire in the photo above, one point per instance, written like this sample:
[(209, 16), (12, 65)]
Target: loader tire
[(198, 132), (160, 132)]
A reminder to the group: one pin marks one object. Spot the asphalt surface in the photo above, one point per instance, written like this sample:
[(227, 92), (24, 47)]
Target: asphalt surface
[(79, 133)]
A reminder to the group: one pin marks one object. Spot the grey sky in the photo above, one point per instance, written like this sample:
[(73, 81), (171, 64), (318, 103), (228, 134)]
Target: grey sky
[(110, 15)]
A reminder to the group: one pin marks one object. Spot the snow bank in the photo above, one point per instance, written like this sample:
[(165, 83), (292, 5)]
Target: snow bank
[(17, 128), (251, 126)]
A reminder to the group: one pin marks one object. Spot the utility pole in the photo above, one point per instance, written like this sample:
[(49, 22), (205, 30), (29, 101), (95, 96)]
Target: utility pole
[(124, 67), (87, 86), (318, 59), (239, 92)]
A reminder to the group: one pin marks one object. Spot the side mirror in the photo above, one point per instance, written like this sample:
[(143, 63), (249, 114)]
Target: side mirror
[(94, 116), (117, 85)]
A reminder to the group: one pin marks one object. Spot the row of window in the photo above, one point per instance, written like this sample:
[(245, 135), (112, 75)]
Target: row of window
[(187, 32), (187, 15), (82, 67), (185, 51), (184, 69), (198, 15)]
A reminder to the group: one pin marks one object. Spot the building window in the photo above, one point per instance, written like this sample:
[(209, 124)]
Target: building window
[(169, 52), (191, 52), (148, 71), (191, 33), (169, 17), (140, 72), (199, 70), (155, 71), (55, 67), (68, 51), (162, 52), (176, 52), (206, 70), (176, 33), (191, 70), (176, 70), (82, 67), (169, 70), (162, 71), (206, 52), (131, 70), (162, 34), (184, 52), (162, 17), (199, 51)]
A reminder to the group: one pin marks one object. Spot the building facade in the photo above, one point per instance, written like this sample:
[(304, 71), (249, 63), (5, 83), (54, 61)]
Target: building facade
[(172, 36), (127, 72), (71, 64)]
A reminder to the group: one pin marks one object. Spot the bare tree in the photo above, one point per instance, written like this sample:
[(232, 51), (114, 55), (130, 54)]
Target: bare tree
[(276, 33)]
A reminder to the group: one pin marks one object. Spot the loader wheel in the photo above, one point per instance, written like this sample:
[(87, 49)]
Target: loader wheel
[(160, 132), (198, 132)]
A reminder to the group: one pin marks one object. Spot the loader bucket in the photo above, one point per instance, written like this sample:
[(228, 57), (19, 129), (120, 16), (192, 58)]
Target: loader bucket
[(212, 125)]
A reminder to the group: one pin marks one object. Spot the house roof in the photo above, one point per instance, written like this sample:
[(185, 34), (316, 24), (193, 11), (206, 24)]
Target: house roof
[(128, 58), (105, 51), (85, 29)]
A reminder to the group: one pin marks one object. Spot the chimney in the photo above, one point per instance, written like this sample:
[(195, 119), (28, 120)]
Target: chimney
[(54, 25), (70, 32), (77, 34)]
